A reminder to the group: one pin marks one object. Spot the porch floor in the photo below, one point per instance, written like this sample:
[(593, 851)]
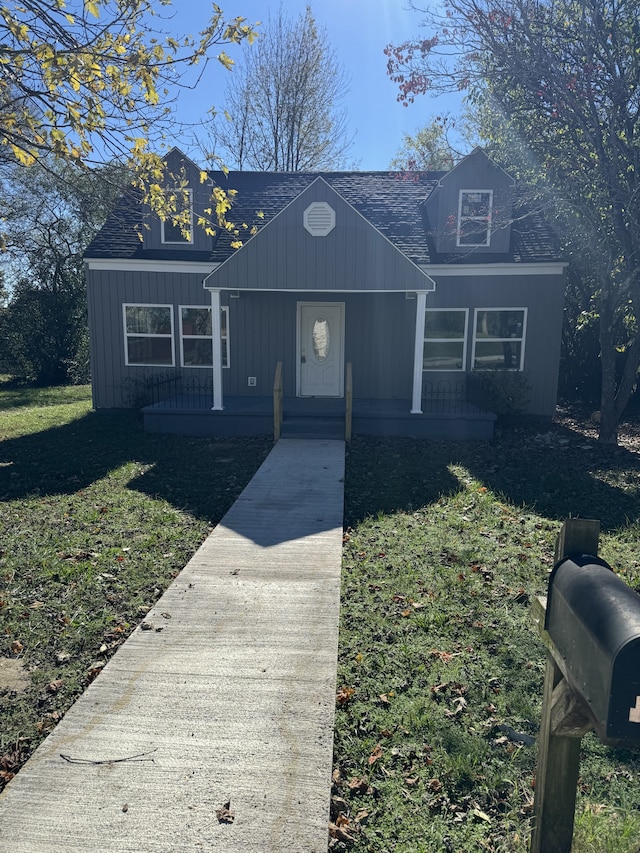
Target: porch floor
[(227, 696), (247, 415)]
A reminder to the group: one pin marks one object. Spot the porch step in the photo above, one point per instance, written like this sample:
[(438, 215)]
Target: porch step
[(312, 427)]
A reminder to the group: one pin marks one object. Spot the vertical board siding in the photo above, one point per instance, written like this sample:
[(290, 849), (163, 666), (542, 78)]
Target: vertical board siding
[(284, 256), (114, 384), (543, 297)]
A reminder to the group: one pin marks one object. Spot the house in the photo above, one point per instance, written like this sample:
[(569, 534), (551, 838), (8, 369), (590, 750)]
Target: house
[(381, 295)]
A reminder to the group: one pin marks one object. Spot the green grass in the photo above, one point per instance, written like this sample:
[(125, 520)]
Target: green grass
[(440, 672), (96, 519)]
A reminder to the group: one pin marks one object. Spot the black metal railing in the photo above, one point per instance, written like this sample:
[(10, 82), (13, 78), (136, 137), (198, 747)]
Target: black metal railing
[(171, 391), (443, 396)]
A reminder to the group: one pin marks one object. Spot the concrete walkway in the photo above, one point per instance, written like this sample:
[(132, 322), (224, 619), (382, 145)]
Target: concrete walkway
[(225, 694)]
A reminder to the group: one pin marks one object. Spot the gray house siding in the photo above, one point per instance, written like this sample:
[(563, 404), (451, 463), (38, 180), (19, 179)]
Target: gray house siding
[(475, 172), (116, 385), (541, 295), (379, 333), (284, 256)]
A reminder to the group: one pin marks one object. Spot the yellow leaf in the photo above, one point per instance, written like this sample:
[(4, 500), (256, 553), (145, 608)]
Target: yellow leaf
[(92, 6), (203, 176), (226, 61)]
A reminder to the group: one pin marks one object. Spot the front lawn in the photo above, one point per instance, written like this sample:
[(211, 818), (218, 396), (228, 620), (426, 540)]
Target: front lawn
[(440, 673)]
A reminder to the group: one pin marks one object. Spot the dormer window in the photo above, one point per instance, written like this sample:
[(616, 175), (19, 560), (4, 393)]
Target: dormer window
[(174, 232), (474, 218)]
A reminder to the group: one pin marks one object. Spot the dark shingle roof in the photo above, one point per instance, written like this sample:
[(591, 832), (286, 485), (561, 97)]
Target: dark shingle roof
[(392, 202)]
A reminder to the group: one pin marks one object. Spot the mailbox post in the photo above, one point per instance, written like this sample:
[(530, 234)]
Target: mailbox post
[(590, 624), (558, 749)]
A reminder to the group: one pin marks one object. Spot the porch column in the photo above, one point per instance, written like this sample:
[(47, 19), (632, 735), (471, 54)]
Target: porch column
[(216, 333), (418, 353)]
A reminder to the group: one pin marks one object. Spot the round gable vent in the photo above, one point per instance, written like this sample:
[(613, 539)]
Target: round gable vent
[(319, 219)]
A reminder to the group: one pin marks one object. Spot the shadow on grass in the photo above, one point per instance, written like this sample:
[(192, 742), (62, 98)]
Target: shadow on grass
[(559, 473), (200, 476)]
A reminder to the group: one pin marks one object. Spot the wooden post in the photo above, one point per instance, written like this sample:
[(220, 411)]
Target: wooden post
[(277, 401), (564, 721), (348, 404)]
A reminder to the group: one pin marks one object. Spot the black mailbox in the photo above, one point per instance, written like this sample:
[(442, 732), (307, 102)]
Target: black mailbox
[(593, 618)]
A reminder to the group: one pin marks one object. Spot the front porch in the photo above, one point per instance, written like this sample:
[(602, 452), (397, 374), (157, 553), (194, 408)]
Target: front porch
[(446, 415)]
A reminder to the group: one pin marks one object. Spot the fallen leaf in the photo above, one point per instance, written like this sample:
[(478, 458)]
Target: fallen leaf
[(16, 647), (482, 815), (224, 813), (55, 685), (375, 755), (340, 833), (359, 785), (344, 694)]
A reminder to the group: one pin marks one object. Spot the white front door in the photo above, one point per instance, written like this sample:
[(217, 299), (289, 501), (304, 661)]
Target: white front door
[(320, 349)]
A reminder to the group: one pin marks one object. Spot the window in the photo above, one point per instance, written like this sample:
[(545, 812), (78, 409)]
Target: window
[(196, 336), (148, 335), (445, 333), (172, 231), (474, 217), (499, 336)]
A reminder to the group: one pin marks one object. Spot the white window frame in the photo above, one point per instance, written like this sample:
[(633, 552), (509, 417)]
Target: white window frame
[(224, 336), (184, 241), (487, 219), (128, 334), (522, 340), (462, 340)]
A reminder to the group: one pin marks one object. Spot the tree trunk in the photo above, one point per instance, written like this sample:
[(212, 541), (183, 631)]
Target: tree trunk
[(608, 420)]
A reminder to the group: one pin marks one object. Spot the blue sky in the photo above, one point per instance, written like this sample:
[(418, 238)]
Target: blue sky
[(358, 31)]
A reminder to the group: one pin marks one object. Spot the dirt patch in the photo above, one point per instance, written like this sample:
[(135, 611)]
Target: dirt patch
[(13, 676)]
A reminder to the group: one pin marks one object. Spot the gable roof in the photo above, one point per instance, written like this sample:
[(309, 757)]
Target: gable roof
[(392, 202), (284, 255), (469, 162)]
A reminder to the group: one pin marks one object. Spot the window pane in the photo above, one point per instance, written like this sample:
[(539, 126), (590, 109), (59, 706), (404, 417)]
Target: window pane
[(444, 324), (149, 351), (476, 204), (148, 320), (321, 339), (196, 321), (499, 324), (443, 355), (197, 352), (497, 355)]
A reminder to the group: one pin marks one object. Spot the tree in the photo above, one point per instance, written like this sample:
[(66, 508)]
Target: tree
[(428, 150), (54, 210), (282, 105), (89, 80), (565, 75)]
